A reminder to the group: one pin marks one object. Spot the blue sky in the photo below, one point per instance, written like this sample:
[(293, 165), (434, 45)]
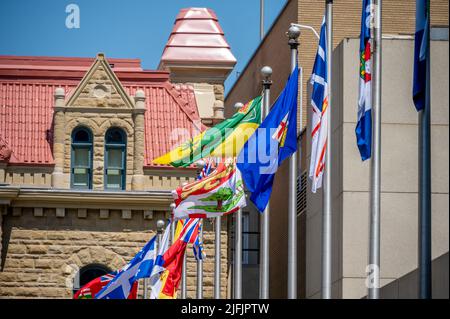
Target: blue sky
[(123, 29)]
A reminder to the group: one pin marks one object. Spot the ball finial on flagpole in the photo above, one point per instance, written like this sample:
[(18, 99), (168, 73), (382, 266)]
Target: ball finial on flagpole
[(293, 32), (238, 105), (266, 72), (160, 226), (200, 164)]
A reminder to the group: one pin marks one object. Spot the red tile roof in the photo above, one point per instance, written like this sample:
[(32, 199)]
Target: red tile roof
[(27, 86), (197, 37)]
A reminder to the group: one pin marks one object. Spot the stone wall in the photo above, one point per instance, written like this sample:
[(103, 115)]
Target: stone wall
[(43, 254), (26, 176)]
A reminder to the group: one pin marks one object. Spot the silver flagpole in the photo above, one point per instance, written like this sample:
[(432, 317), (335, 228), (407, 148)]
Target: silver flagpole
[(293, 34), (261, 19), (217, 253), (200, 269), (145, 288), (200, 164), (327, 198), (266, 72), (159, 232), (183, 278), (238, 255), (172, 224), (425, 291), (374, 237), (184, 269), (238, 245), (217, 259)]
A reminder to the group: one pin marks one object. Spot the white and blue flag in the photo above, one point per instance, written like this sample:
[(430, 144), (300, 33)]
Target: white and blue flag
[(320, 110), (140, 266), (364, 124)]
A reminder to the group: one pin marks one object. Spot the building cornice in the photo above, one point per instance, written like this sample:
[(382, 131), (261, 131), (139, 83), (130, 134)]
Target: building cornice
[(69, 198)]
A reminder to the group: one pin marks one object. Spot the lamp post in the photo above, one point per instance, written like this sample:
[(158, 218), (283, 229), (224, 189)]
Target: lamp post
[(266, 72)]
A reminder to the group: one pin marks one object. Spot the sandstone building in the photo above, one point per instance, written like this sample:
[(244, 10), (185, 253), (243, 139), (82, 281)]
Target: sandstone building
[(79, 195)]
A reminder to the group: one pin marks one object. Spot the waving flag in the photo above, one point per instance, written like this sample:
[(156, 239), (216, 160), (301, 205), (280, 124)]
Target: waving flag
[(199, 252), (364, 125), (270, 145), (139, 267), (91, 289), (223, 140), (319, 103), (421, 44), (197, 247), (219, 193), (166, 274)]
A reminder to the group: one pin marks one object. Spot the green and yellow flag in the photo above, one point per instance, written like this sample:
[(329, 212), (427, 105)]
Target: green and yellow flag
[(223, 140)]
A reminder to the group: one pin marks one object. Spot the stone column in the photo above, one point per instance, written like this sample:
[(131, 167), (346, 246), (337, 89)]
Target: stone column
[(218, 107), (58, 139), (137, 181), (1, 229), (2, 172)]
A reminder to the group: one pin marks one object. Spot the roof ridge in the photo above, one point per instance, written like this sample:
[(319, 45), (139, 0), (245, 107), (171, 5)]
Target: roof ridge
[(183, 103)]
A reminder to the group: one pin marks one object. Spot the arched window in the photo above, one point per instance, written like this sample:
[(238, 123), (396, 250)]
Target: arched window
[(89, 273), (115, 158), (81, 158)]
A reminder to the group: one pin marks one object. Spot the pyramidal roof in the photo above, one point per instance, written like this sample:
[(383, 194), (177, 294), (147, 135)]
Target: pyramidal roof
[(197, 38)]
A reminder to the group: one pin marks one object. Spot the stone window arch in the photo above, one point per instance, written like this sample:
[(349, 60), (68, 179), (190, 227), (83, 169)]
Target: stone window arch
[(81, 158), (115, 158), (88, 273)]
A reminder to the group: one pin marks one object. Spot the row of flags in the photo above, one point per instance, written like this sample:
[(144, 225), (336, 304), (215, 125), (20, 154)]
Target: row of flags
[(163, 268), (243, 150)]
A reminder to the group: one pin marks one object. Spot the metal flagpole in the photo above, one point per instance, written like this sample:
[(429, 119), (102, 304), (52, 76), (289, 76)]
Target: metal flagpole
[(266, 72), (374, 237), (184, 269), (200, 164), (238, 245), (217, 259), (183, 277), (293, 34), (145, 288), (217, 252), (159, 231), (238, 255), (327, 198), (172, 224), (425, 183), (200, 268)]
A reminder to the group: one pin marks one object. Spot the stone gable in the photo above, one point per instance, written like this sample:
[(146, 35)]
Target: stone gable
[(100, 88)]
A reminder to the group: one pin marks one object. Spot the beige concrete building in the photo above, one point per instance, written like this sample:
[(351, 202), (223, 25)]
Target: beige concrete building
[(350, 252)]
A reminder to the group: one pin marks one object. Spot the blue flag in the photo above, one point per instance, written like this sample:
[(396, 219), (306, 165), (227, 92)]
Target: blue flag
[(421, 44), (364, 125), (140, 266), (272, 142)]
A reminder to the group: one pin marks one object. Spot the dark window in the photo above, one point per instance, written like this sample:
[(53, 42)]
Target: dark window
[(81, 158), (250, 238), (89, 273), (115, 159)]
